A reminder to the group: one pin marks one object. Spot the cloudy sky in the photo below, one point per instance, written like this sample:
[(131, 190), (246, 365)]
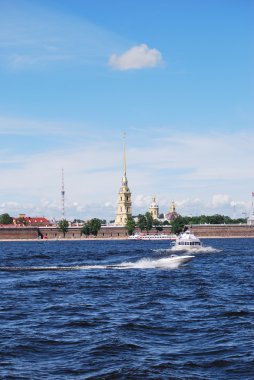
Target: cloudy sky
[(175, 75)]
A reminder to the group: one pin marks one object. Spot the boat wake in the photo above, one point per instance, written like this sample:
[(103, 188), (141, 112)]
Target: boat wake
[(166, 263), (202, 249)]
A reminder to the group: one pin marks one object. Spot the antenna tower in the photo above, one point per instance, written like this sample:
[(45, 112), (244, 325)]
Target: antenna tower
[(63, 194)]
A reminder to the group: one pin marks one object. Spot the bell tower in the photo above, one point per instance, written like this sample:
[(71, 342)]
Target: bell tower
[(124, 196), (154, 209)]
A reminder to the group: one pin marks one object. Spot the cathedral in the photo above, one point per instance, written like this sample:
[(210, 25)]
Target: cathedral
[(124, 197)]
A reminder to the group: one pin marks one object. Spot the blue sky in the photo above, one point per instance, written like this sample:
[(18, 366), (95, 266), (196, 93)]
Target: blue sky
[(176, 75)]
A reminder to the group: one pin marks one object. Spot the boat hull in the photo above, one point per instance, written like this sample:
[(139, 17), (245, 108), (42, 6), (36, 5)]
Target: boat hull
[(182, 259)]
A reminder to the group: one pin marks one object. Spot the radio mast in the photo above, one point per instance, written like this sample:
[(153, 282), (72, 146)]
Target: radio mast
[(63, 194)]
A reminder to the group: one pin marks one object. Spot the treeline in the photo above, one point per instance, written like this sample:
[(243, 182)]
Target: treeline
[(146, 222), (91, 227), (143, 222), (6, 219), (181, 221)]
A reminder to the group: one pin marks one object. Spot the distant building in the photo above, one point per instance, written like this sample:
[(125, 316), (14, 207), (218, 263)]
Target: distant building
[(172, 214), (154, 209), (23, 220), (124, 197), (250, 220)]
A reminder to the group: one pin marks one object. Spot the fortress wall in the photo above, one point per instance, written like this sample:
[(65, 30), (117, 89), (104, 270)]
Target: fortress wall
[(110, 232), (223, 230), (121, 232), (19, 233), (55, 233)]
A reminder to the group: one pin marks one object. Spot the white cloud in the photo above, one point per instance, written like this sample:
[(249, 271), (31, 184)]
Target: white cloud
[(141, 200), (194, 170), (137, 57), (219, 200)]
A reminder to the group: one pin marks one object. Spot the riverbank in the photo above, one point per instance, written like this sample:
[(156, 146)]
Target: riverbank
[(207, 231), (112, 239)]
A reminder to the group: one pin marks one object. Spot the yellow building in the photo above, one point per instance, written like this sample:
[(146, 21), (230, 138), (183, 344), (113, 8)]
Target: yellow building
[(124, 197), (154, 209)]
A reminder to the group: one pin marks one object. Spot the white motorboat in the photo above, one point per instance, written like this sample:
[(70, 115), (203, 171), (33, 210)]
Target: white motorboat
[(152, 237), (180, 259), (187, 241)]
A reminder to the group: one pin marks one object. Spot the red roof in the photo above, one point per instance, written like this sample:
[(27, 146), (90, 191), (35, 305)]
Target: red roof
[(36, 219)]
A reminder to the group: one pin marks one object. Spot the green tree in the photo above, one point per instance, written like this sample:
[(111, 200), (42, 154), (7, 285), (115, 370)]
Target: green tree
[(177, 225), (145, 222), (86, 229), (149, 221), (158, 225), (78, 221), (141, 222), (95, 225), (6, 219), (63, 226), (130, 225)]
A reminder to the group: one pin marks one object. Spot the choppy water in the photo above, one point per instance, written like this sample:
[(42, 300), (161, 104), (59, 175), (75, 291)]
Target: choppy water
[(62, 320)]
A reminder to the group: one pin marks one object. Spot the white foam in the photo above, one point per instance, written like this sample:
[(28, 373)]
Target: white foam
[(144, 263), (149, 263)]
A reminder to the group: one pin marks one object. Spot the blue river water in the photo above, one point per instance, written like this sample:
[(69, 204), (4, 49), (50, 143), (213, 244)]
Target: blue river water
[(107, 310)]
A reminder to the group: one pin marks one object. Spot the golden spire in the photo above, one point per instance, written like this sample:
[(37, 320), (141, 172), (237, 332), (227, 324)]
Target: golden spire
[(124, 155), (124, 179), (124, 195)]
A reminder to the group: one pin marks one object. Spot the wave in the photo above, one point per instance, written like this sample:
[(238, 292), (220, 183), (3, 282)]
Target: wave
[(203, 249), (167, 263)]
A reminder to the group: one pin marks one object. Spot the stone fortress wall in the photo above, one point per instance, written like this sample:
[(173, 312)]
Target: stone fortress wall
[(18, 233), (223, 230), (111, 232)]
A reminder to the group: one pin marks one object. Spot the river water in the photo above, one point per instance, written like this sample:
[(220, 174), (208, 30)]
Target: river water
[(107, 310)]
